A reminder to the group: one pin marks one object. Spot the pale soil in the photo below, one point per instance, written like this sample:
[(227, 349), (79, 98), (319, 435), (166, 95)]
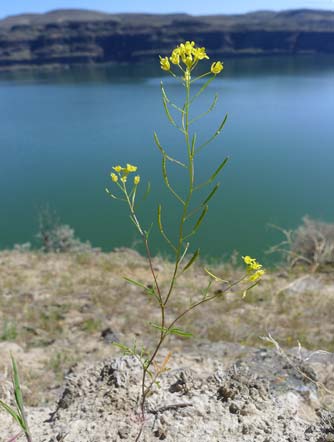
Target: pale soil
[(55, 308)]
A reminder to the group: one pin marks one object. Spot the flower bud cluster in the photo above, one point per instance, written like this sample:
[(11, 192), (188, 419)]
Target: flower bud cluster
[(123, 172), (186, 56)]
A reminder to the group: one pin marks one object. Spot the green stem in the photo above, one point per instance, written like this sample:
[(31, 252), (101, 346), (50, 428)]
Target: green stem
[(145, 391), (178, 253)]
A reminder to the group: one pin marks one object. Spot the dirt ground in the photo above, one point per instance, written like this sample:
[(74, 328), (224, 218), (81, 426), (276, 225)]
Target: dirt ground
[(61, 313)]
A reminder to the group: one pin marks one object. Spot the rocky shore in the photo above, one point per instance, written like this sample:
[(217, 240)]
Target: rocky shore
[(70, 37)]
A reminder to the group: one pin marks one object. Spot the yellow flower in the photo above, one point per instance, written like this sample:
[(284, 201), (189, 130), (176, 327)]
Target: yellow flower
[(164, 64), (253, 268), (129, 168), (189, 47), (114, 177), (124, 178), (200, 54), (251, 263), (217, 67), (175, 58), (136, 180), (189, 61), (117, 168), (257, 275), (247, 259), (188, 53)]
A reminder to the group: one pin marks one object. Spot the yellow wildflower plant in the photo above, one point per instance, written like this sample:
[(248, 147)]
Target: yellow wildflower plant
[(185, 58)]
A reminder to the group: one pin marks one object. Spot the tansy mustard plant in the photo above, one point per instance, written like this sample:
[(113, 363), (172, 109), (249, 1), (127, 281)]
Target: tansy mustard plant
[(181, 65)]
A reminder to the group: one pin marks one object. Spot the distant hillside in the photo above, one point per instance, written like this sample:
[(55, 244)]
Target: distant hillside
[(67, 37)]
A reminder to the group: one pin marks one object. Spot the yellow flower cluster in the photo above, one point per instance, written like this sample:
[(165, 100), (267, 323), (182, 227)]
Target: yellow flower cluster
[(123, 172), (188, 54), (253, 268)]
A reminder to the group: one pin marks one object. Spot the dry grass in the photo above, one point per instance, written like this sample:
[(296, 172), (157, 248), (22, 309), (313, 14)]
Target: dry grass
[(55, 306), (311, 244)]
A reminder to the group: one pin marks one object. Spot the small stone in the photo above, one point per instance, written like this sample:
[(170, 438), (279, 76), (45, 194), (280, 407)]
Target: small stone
[(124, 432), (109, 336), (234, 409)]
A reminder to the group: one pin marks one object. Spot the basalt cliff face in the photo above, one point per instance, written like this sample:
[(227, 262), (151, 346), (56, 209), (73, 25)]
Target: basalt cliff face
[(69, 37)]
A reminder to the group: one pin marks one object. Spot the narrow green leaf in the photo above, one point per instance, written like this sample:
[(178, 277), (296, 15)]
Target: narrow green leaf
[(216, 278), (193, 212), (184, 252), (17, 387), (213, 105), (164, 153), (157, 143), (13, 413), (216, 172), (205, 85), (220, 128), (172, 331), (213, 191), (165, 177), (159, 219), (164, 95), (136, 283), (133, 221), (125, 349), (111, 194), (147, 191), (141, 285), (192, 260), (162, 231), (169, 116), (166, 101), (179, 332), (158, 327), (200, 219), (150, 374)]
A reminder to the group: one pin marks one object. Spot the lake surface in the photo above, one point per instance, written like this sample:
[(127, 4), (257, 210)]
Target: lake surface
[(62, 132)]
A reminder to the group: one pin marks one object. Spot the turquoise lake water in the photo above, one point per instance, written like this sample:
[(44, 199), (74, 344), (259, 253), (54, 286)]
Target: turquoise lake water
[(61, 133)]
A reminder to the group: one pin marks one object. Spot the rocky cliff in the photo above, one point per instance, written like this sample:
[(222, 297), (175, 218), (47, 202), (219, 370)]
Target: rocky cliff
[(67, 37)]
